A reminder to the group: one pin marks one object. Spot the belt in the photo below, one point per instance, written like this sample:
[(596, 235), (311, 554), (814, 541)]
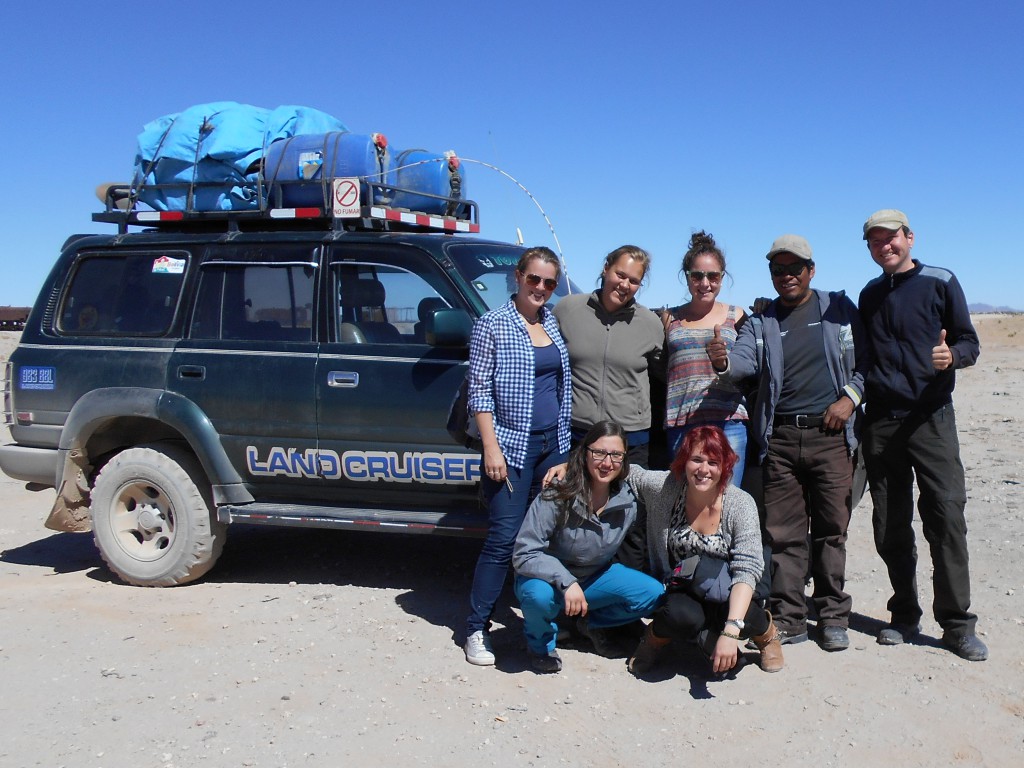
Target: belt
[(800, 421)]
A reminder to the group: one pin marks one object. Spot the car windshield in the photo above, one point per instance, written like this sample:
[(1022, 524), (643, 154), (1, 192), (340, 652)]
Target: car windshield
[(490, 269)]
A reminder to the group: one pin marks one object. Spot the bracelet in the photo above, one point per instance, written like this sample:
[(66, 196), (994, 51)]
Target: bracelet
[(731, 637)]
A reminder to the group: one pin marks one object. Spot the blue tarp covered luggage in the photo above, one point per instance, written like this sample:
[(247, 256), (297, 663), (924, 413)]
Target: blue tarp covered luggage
[(209, 157), (219, 142)]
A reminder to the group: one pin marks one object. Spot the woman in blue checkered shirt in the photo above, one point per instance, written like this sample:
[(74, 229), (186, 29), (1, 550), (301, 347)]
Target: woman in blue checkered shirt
[(520, 394)]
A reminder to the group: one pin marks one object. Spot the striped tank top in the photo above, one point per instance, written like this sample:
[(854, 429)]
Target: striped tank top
[(695, 393)]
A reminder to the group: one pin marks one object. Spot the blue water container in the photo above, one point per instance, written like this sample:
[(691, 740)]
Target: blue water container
[(420, 171), (302, 167)]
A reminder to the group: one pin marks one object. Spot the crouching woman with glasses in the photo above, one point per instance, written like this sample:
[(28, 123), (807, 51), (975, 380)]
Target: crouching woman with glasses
[(563, 554)]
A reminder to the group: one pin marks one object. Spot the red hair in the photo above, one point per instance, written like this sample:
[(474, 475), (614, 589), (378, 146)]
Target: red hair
[(716, 447)]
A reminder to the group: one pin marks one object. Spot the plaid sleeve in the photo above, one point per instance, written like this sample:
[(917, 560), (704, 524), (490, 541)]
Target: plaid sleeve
[(482, 363)]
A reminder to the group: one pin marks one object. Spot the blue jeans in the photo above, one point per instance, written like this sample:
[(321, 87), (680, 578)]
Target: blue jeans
[(735, 432), (506, 511), (615, 595)]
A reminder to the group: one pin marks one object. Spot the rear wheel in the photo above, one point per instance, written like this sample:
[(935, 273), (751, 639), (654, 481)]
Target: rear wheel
[(151, 517)]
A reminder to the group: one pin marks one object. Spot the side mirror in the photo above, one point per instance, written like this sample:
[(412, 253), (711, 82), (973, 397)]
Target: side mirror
[(449, 328)]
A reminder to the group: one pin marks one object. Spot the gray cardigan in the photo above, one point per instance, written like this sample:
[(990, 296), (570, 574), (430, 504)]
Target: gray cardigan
[(740, 526), (561, 556)]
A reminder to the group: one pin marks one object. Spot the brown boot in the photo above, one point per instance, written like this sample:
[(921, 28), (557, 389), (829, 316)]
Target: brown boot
[(647, 651), (770, 647)]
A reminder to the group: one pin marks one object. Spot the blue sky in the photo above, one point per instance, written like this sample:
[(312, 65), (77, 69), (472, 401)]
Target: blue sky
[(629, 122)]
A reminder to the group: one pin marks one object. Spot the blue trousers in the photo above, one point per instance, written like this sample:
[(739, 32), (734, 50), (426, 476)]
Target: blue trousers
[(615, 595), (506, 511), (735, 433)]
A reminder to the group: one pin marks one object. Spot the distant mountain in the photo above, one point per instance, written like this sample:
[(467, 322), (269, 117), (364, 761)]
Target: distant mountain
[(983, 309)]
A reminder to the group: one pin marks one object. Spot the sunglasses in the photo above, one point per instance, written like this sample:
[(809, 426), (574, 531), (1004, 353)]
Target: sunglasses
[(599, 455), (549, 282), (789, 270), (698, 276)]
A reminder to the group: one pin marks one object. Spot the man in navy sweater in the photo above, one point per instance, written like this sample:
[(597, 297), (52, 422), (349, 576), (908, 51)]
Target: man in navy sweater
[(919, 332)]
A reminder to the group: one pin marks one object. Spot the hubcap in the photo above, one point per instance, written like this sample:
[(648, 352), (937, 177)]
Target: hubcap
[(143, 521)]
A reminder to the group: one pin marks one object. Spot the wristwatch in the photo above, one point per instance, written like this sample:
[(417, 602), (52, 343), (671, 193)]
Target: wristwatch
[(738, 623)]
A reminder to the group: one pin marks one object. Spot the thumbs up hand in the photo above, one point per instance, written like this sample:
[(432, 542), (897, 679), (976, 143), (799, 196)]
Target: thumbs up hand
[(942, 357), (718, 351)]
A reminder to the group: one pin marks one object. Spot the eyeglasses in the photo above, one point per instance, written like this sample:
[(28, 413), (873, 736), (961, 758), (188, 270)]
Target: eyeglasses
[(698, 276), (549, 282), (599, 455), (790, 270)]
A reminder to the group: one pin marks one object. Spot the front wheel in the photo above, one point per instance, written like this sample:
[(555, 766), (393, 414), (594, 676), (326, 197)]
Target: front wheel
[(151, 520)]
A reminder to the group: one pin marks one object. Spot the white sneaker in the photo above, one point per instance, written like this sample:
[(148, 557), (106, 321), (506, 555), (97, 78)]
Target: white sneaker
[(478, 649)]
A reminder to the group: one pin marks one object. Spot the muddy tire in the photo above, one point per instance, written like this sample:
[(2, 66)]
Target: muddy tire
[(151, 517)]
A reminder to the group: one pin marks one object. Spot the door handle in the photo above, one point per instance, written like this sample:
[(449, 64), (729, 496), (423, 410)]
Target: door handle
[(343, 379), (192, 372)]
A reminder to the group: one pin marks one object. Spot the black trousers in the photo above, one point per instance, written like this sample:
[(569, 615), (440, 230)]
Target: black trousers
[(895, 451), (808, 475), (681, 617)]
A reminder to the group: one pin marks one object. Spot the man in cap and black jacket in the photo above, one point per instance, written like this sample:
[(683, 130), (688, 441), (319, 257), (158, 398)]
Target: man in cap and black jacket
[(919, 332), (801, 351)]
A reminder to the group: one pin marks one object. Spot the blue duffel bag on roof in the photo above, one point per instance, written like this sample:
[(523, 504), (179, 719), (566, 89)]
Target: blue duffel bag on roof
[(215, 149)]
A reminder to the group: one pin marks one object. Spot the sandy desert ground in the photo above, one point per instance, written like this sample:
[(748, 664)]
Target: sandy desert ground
[(313, 648)]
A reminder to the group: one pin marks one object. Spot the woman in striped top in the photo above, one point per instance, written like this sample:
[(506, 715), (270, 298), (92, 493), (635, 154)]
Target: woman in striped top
[(696, 396)]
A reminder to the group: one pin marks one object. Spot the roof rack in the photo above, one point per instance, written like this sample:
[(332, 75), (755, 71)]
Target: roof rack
[(122, 207)]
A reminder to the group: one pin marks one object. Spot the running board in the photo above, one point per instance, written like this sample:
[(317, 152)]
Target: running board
[(394, 520)]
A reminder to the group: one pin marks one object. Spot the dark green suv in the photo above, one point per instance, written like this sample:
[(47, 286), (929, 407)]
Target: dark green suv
[(278, 368)]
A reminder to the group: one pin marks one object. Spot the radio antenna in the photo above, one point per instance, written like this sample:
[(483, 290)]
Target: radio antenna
[(558, 245)]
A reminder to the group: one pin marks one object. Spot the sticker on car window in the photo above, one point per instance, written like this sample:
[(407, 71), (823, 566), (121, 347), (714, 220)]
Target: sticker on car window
[(165, 265)]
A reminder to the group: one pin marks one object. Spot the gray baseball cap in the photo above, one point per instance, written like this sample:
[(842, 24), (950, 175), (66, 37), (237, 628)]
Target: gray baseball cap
[(888, 218), (794, 244)]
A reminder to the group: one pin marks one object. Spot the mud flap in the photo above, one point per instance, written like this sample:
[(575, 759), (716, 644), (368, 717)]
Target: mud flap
[(70, 511)]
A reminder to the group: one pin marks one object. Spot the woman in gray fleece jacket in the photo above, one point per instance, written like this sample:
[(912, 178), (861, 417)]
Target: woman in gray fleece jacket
[(563, 554), (693, 511)]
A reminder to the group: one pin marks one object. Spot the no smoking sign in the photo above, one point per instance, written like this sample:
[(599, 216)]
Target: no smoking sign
[(346, 198)]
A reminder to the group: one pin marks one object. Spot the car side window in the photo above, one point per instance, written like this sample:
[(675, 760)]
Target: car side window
[(254, 302), (382, 304), (122, 294)]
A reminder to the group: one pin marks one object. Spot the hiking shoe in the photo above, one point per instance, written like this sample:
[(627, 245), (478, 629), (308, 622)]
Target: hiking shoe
[(478, 649), (967, 647), (602, 640), (897, 634), (834, 639), (791, 636), (770, 647), (785, 637), (647, 652), (546, 663)]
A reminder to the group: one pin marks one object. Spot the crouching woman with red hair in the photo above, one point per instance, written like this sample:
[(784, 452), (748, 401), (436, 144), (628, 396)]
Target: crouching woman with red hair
[(702, 537)]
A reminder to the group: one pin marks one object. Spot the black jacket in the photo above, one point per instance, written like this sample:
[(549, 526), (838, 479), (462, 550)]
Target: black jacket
[(903, 316)]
